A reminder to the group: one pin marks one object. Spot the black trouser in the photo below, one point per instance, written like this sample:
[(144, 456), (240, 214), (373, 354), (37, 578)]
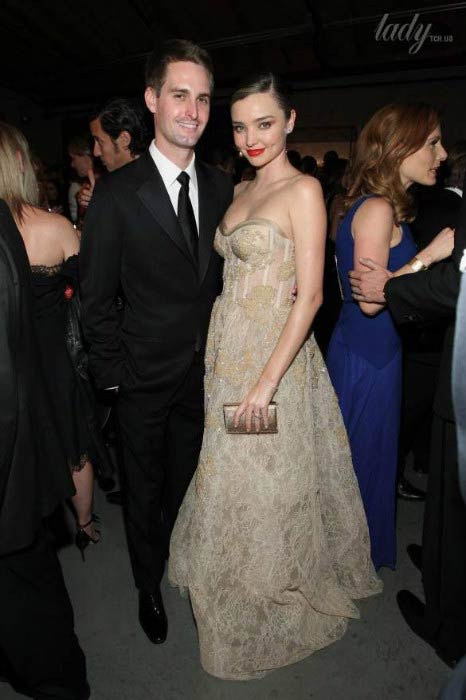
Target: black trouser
[(420, 375), (444, 544), (160, 448), (37, 628)]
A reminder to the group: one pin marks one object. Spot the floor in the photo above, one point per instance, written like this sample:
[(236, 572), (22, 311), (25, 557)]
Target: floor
[(378, 659)]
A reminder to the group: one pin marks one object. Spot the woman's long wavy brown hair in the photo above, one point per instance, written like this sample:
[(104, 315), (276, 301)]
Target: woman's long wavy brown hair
[(393, 133)]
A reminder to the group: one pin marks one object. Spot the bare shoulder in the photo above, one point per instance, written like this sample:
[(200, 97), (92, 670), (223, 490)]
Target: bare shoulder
[(61, 227), (374, 221), (375, 207), (54, 228), (304, 197), (305, 188), (49, 221), (307, 210)]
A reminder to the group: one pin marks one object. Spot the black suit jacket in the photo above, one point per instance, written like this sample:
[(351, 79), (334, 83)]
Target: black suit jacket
[(430, 296), (436, 210), (34, 475), (132, 237), (459, 382)]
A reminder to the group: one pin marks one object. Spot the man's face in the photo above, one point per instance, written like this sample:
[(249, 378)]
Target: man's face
[(182, 109), (112, 153), (81, 163)]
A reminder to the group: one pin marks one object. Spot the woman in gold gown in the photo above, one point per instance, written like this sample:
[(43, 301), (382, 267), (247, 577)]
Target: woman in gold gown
[(271, 542)]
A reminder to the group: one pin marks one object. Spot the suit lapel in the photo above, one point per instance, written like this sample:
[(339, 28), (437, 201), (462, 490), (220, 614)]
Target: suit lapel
[(207, 218), (154, 196)]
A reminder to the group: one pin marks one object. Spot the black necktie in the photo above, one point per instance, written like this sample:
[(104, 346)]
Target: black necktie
[(186, 215)]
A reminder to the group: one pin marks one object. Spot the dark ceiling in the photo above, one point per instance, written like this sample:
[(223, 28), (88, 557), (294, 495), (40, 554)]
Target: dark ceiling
[(67, 55)]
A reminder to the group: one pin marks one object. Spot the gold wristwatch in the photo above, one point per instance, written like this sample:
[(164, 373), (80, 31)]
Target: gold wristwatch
[(417, 265)]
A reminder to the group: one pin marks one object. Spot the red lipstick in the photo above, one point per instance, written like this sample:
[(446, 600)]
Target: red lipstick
[(253, 152)]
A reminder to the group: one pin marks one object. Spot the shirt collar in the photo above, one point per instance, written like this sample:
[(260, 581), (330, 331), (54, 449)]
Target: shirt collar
[(168, 170), (456, 190)]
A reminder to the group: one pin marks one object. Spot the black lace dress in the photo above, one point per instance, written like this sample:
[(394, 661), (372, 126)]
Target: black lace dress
[(69, 392)]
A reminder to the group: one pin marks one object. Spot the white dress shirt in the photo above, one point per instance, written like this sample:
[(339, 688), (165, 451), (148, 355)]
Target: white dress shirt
[(169, 172)]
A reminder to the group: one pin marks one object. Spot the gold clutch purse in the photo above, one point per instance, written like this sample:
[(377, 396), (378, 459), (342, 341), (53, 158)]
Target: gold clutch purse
[(229, 410)]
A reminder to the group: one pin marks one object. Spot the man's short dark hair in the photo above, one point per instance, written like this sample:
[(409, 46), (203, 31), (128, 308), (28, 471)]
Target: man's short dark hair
[(174, 51), (123, 115)]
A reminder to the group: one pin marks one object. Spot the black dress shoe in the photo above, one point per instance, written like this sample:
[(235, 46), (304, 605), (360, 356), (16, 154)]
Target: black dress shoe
[(415, 554), (152, 616), (409, 492), (115, 497), (413, 611)]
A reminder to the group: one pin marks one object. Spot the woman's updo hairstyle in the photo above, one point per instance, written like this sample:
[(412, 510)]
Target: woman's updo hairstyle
[(265, 82)]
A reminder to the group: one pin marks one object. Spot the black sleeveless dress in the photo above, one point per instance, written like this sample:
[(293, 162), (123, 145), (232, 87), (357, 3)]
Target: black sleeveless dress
[(68, 388)]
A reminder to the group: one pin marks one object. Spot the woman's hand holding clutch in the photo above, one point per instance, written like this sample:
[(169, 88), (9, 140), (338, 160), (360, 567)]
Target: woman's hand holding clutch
[(255, 405)]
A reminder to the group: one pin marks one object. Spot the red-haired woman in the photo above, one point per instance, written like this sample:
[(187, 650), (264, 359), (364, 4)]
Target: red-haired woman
[(400, 145)]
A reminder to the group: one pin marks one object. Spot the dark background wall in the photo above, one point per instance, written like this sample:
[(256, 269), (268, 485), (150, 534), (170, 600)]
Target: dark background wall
[(325, 109)]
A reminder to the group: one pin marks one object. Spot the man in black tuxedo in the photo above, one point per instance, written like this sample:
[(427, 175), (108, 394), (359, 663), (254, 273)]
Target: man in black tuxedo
[(415, 298), (38, 646), (150, 226), (422, 345), (456, 687), (459, 376), (120, 136)]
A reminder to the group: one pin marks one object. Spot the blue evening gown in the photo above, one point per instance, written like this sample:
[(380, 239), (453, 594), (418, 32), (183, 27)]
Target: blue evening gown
[(364, 363)]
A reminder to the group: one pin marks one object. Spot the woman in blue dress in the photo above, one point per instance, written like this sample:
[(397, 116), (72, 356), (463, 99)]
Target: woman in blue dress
[(400, 145)]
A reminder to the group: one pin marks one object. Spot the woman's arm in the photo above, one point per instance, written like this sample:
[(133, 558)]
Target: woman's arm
[(439, 248), (308, 224), (369, 281), (372, 233)]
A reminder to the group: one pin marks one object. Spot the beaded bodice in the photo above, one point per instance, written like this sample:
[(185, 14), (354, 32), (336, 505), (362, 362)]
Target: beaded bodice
[(259, 265)]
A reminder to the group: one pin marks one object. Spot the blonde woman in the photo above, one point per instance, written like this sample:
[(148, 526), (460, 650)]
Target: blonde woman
[(52, 247)]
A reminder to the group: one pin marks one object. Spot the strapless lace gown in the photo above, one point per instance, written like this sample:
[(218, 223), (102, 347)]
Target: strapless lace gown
[(271, 541)]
